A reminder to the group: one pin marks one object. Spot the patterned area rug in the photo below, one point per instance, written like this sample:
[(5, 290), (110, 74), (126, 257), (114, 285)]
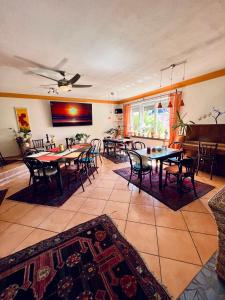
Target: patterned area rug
[(89, 261), (48, 194), (116, 159), (168, 196), (206, 285), (2, 195)]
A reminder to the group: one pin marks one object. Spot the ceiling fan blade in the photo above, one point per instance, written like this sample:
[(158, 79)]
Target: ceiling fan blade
[(81, 85), (43, 66), (74, 79), (45, 76)]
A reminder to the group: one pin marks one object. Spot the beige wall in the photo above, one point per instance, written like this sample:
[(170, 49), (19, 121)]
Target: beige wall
[(40, 121), (200, 98)]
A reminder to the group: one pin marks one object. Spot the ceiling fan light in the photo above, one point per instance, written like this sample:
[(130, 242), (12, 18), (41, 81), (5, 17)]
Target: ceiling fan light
[(65, 88)]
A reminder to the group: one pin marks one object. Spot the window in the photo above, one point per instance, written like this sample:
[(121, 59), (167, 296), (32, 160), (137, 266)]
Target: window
[(149, 121)]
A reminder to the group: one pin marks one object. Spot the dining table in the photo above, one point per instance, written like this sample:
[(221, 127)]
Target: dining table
[(117, 141), (160, 154), (54, 157)]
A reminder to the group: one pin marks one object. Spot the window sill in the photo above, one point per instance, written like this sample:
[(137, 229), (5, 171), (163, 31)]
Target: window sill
[(149, 138)]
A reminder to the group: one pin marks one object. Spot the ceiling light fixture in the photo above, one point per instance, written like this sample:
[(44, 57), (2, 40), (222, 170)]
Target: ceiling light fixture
[(65, 88)]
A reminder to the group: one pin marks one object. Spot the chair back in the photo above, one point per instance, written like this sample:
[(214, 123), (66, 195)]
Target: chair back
[(70, 142), (189, 164), (97, 143), (134, 158), (138, 145), (108, 143), (207, 149), (35, 167), (38, 143)]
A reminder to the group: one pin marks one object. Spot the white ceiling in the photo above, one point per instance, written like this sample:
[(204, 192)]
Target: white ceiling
[(116, 45)]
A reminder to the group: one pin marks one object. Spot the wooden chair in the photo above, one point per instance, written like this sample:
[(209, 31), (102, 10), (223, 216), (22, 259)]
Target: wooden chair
[(185, 169), (41, 172), (39, 144), (108, 146), (78, 169), (207, 154), (138, 145), (70, 142), (97, 152), (139, 167), (89, 161)]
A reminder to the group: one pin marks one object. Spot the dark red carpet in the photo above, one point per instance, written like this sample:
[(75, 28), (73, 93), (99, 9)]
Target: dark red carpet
[(168, 196), (89, 261), (48, 194)]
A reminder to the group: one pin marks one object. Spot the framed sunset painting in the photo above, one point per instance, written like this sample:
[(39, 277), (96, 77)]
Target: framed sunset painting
[(71, 114)]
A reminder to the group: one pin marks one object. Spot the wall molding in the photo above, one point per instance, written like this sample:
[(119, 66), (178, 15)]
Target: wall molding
[(194, 80)]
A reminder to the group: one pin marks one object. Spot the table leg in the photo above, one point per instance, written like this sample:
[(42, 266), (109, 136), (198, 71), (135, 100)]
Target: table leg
[(59, 181), (160, 174)]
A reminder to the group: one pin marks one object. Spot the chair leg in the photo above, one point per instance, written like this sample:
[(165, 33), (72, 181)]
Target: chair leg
[(81, 181), (150, 177), (193, 183), (198, 165), (130, 177), (140, 183), (100, 157), (211, 169), (165, 184), (30, 180), (86, 171)]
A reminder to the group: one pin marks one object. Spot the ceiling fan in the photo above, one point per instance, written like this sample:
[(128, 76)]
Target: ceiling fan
[(63, 84)]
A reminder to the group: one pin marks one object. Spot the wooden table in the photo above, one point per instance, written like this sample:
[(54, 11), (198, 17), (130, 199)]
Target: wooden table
[(118, 141), (54, 158), (160, 156)]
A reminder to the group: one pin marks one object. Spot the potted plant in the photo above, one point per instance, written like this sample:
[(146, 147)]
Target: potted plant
[(112, 131), (23, 139), (78, 137), (182, 126), (85, 137)]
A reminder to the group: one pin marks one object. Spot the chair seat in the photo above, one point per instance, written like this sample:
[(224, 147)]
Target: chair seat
[(87, 159), (172, 169), (95, 152), (49, 171), (137, 167)]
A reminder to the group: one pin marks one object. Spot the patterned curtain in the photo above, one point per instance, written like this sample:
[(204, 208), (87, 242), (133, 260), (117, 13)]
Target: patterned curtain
[(126, 119), (175, 99)]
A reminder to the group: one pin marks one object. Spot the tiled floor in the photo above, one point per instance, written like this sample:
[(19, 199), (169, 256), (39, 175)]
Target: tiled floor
[(174, 245)]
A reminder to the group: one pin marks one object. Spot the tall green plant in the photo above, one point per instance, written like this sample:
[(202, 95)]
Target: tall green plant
[(181, 125)]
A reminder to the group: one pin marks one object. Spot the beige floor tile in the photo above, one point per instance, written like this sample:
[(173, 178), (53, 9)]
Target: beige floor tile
[(142, 237), (100, 193), (120, 196), (168, 218), (122, 185), (200, 222), (141, 198), (57, 221), (141, 214), (74, 203), (16, 212), (36, 236), (79, 218), (6, 205), (157, 203), (105, 183), (93, 206), (12, 237), (152, 263), (120, 224), (117, 210), (177, 275), (205, 244), (36, 215), (195, 206), (4, 225), (177, 244)]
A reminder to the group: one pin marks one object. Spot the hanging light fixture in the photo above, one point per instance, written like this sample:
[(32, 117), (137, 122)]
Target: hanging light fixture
[(159, 105), (182, 101)]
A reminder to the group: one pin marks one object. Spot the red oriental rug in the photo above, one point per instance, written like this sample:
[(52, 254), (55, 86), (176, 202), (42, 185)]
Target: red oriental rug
[(89, 261)]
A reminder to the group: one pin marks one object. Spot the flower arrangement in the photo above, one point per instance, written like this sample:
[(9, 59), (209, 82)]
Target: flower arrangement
[(22, 136)]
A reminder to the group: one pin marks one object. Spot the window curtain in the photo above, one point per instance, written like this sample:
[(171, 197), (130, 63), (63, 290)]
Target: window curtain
[(126, 119), (175, 99)]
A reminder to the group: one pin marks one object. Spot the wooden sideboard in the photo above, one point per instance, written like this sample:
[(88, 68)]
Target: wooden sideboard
[(211, 133)]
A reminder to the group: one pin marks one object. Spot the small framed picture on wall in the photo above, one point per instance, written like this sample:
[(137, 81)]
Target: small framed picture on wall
[(22, 118)]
